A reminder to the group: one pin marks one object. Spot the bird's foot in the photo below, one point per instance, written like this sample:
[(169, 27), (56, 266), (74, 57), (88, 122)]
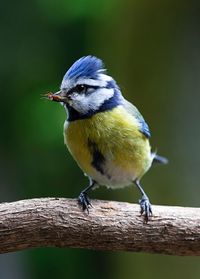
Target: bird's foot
[(145, 208), (84, 201)]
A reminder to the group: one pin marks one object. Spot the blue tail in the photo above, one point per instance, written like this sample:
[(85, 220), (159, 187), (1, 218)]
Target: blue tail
[(160, 159)]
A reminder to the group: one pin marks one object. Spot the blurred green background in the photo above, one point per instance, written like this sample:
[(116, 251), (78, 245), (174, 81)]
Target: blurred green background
[(152, 48)]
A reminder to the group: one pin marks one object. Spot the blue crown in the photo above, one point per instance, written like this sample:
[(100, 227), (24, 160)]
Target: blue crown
[(85, 67)]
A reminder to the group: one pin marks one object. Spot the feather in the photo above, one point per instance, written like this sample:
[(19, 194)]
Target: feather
[(130, 108), (86, 67), (160, 159)]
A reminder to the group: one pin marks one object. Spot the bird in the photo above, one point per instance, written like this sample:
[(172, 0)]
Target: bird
[(105, 133)]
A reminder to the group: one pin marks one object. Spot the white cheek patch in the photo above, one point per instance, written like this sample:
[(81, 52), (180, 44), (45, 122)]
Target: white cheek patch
[(84, 103)]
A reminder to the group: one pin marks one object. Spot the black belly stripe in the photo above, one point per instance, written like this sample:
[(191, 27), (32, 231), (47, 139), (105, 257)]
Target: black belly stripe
[(98, 159)]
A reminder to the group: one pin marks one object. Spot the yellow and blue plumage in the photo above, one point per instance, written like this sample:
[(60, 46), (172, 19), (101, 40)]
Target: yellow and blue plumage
[(105, 134)]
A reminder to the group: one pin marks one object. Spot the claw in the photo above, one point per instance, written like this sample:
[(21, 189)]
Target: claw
[(146, 208), (84, 201)]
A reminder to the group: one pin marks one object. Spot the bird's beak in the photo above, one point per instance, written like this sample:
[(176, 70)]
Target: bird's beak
[(57, 97)]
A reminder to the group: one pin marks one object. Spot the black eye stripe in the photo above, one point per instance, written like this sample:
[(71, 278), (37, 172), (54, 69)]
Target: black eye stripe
[(86, 86)]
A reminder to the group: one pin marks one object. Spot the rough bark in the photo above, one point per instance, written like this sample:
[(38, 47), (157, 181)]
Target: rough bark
[(58, 222)]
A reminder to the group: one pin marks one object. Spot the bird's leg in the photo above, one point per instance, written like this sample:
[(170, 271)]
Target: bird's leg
[(145, 205), (83, 198)]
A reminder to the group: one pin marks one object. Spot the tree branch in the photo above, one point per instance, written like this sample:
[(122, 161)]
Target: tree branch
[(59, 222)]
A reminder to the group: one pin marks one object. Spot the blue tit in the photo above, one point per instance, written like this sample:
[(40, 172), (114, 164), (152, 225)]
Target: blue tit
[(105, 134)]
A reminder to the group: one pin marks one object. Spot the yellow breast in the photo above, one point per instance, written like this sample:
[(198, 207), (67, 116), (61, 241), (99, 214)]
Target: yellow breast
[(116, 133)]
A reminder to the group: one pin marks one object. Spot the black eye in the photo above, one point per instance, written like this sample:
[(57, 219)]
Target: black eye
[(81, 88)]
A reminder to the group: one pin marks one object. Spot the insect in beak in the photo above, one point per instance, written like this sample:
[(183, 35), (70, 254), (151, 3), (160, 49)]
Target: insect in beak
[(56, 97)]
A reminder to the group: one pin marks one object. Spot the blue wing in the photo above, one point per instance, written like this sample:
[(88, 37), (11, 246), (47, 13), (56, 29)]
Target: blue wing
[(144, 128)]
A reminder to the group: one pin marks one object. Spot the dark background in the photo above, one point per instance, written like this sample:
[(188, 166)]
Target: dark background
[(152, 48)]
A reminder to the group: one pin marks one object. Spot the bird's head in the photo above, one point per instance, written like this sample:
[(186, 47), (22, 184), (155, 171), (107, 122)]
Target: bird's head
[(86, 89)]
